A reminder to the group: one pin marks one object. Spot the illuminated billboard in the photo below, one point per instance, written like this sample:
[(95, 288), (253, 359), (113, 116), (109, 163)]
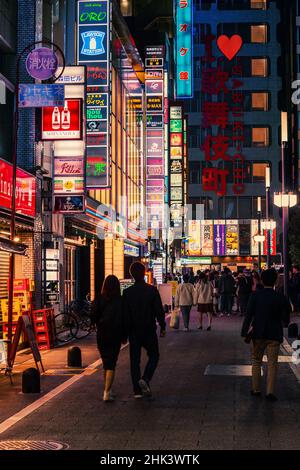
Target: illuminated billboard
[(184, 48)]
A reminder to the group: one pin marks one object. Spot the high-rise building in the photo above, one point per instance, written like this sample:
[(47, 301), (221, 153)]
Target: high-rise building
[(240, 89)]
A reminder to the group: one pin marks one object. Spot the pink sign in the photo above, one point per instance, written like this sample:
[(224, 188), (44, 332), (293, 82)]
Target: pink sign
[(25, 189), (68, 166)]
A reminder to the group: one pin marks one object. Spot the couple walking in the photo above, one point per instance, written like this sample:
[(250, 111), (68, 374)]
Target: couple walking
[(130, 317), (201, 295)]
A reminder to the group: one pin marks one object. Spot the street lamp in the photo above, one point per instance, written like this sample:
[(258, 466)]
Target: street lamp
[(284, 199), (259, 238), (268, 185)]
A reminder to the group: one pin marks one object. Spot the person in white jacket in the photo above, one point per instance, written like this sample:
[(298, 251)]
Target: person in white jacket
[(203, 296), (184, 299)]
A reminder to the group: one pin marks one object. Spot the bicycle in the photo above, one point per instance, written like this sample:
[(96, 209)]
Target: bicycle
[(82, 312), (76, 323)]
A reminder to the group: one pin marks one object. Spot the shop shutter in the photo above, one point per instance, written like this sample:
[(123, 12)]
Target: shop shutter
[(4, 273)]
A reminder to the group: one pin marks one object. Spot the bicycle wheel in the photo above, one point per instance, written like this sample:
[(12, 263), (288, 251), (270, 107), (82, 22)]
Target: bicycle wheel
[(66, 327), (84, 327)]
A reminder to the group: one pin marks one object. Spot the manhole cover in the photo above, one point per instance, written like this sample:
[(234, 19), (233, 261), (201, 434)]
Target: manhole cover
[(32, 445)]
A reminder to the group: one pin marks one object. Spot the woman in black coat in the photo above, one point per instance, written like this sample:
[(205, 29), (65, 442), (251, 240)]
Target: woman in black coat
[(107, 313)]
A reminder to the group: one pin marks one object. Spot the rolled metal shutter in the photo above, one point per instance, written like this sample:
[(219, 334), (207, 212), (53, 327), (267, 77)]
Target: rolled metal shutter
[(4, 273)]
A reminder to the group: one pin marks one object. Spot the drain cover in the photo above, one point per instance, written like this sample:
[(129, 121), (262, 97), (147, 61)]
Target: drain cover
[(32, 445)]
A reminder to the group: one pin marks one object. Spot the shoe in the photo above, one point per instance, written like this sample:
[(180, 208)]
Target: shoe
[(228, 315), (221, 315), (145, 388), (185, 329), (138, 395), (107, 397), (208, 328), (255, 393), (200, 328), (271, 397)]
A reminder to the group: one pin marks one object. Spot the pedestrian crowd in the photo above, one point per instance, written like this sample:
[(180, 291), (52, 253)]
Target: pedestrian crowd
[(134, 316)]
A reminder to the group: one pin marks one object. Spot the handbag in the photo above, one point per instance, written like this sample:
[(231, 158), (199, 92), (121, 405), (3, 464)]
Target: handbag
[(249, 335), (175, 319)]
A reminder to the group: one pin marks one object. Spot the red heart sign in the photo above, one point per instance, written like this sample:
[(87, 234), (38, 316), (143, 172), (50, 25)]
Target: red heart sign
[(230, 47)]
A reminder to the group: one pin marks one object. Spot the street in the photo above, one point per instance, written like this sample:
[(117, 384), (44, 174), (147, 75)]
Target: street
[(191, 407)]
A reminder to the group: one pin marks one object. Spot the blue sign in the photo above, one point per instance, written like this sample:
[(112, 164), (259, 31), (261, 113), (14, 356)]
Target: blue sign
[(93, 44), (39, 96), (184, 48)]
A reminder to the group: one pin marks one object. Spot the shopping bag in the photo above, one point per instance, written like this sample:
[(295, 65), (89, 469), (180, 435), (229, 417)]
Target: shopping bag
[(175, 319)]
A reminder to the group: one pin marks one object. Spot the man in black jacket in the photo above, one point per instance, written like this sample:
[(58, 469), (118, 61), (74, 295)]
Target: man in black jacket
[(267, 312), (142, 308)]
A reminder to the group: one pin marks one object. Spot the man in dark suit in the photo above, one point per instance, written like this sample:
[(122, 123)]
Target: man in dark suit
[(142, 308), (267, 312)]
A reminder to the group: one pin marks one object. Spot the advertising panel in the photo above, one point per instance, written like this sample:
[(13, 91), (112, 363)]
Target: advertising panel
[(254, 231), (68, 204), (66, 185), (272, 241), (245, 237), (207, 238), (25, 189), (194, 243), (154, 87), (219, 237), (38, 96), (94, 35), (232, 237), (62, 123)]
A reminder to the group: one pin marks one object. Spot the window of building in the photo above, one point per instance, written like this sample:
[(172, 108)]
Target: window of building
[(260, 136), (259, 67), (259, 33), (259, 171), (194, 172), (245, 207), (258, 4), (260, 101)]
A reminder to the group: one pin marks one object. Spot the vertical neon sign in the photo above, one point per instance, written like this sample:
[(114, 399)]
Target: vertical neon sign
[(184, 48), (93, 50)]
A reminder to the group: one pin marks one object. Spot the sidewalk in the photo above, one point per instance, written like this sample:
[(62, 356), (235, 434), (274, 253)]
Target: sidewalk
[(56, 372), (192, 408)]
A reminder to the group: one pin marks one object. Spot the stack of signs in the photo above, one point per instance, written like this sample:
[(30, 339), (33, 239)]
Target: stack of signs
[(63, 124), (154, 83), (93, 45), (176, 164)]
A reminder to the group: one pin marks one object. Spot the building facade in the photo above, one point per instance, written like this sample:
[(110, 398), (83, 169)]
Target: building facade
[(234, 117)]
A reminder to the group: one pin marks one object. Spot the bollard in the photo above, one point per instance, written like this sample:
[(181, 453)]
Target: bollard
[(74, 357), (31, 382), (293, 330)]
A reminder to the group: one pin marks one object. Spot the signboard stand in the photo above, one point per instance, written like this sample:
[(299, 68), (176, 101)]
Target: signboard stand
[(25, 325), (4, 366)]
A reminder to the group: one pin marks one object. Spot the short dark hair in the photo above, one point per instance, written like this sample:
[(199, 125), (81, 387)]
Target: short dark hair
[(137, 271), (186, 278), (269, 277)]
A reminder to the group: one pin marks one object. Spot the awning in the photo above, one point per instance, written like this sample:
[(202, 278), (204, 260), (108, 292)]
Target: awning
[(12, 247)]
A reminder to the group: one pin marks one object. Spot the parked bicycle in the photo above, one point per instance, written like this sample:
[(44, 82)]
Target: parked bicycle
[(76, 323)]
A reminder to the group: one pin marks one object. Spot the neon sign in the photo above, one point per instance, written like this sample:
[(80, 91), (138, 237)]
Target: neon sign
[(184, 48)]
